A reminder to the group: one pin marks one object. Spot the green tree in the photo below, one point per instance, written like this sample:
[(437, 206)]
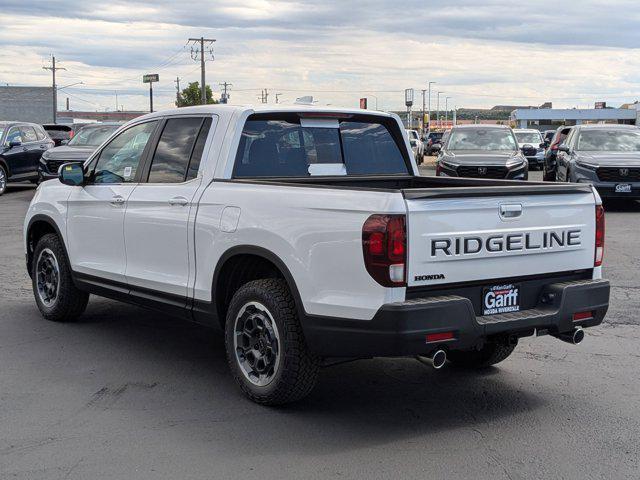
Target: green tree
[(191, 96)]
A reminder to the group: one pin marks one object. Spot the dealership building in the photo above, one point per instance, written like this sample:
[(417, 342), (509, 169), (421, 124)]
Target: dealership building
[(542, 118)]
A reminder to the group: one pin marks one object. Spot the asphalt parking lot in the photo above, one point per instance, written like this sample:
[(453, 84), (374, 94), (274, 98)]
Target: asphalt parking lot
[(128, 393)]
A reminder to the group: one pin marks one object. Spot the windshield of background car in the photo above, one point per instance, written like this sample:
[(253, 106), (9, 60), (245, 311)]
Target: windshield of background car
[(284, 148), (92, 136), (529, 137), (435, 136), (609, 140), (490, 139)]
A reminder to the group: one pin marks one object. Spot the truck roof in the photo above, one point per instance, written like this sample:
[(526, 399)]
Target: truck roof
[(260, 108)]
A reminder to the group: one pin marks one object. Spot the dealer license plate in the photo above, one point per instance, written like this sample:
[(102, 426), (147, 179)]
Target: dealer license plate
[(623, 188), (500, 299)]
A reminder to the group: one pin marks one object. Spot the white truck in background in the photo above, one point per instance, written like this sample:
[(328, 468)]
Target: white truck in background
[(307, 235)]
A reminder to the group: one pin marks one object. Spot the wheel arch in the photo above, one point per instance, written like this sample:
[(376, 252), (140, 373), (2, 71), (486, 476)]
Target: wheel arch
[(5, 165), (258, 262), (39, 225)]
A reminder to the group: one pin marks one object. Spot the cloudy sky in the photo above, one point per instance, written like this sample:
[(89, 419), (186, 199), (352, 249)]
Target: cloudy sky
[(480, 52)]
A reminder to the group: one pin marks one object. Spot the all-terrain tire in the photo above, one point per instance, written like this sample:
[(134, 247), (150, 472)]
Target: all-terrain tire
[(489, 354), (70, 302), (298, 369)]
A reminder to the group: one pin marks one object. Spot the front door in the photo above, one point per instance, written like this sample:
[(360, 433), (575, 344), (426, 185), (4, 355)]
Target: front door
[(95, 216), (156, 225), (17, 157)]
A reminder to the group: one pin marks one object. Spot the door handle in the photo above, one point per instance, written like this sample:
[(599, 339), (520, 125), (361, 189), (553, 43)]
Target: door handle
[(181, 201), (117, 200)]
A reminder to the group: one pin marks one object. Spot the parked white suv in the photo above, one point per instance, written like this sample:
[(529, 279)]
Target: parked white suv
[(417, 145), (307, 235)]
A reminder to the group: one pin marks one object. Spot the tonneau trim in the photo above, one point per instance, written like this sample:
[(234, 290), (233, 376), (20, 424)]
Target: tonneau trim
[(496, 191)]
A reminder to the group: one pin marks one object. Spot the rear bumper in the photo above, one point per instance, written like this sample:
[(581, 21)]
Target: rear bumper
[(400, 329)]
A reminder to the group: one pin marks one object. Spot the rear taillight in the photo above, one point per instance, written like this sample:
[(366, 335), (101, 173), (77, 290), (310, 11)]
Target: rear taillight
[(599, 253), (384, 246), (71, 134), (554, 147)]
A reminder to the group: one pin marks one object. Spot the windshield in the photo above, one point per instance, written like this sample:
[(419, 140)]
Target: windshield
[(489, 139), (435, 136), (282, 147), (529, 137), (609, 140), (92, 136)]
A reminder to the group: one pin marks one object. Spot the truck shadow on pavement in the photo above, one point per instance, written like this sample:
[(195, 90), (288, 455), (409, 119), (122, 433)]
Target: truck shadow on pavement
[(178, 372)]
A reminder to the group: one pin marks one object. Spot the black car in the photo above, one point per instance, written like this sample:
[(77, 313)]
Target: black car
[(482, 151), (62, 132), (21, 146), (549, 164), (607, 156), (433, 143), (78, 149)]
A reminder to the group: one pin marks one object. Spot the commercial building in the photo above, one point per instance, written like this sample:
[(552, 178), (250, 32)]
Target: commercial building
[(26, 104)]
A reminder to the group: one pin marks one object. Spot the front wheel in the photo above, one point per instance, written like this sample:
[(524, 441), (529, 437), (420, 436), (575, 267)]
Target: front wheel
[(265, 345), (489, 354), (56, 295)]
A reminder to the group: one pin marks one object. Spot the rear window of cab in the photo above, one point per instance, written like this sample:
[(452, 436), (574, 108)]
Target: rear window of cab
[(286, 145)]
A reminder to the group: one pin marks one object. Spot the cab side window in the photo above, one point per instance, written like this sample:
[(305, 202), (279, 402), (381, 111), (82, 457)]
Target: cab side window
[(119, 160), (177, 156)]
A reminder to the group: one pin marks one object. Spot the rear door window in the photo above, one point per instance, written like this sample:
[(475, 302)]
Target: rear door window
[(28, 134), (171, 158), (273, 147)]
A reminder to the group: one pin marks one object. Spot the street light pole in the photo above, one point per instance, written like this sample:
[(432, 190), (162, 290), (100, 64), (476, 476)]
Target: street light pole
[(446, 110), (438, 109), (429, 125)]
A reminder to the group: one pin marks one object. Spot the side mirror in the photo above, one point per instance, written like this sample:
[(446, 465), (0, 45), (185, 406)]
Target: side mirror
[(563, 148), (71, 174), (14, 143)]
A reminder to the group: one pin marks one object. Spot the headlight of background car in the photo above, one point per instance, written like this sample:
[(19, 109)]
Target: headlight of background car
[(44, 158), (451, 166), (588, 166), (516, 163)]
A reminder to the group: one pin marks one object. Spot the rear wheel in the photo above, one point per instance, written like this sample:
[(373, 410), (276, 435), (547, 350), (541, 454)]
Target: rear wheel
[(3, 180), (57, 297), (265, 345), (489, 354)]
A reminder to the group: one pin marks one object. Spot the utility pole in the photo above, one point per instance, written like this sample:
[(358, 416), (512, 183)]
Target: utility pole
[(438, 109), (194, 55), (265, 96), (68, 104), (116, 91), (429, 124), (225, 96), (177, 82), (53, 69)]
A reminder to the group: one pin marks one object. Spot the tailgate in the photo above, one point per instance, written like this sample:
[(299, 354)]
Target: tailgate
[(471, 238)]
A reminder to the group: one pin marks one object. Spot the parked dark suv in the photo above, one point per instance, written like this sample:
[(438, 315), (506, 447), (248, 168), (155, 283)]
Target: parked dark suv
[(78, 149), (607, 156), (482, 151), (21, 146)]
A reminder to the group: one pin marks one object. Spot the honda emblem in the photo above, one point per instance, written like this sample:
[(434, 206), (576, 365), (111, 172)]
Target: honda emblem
[(624, 172), (482, 170)]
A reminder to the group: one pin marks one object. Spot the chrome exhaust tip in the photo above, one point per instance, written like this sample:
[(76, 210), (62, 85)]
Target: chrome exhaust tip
[(574, 337), (436, 360)]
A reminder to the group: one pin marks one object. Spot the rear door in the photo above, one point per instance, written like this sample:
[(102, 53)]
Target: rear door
[(17, 157), (34, 149), (471, 238), (156, 227)]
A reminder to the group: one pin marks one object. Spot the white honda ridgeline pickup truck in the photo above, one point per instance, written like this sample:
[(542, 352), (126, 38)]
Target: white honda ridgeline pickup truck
[(309, 237)]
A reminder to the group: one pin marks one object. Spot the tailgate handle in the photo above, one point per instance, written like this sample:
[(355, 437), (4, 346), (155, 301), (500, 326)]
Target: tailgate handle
[(511, 210)]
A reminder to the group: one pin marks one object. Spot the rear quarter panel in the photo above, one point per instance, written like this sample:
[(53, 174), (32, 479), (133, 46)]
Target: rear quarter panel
[(315, 231)]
